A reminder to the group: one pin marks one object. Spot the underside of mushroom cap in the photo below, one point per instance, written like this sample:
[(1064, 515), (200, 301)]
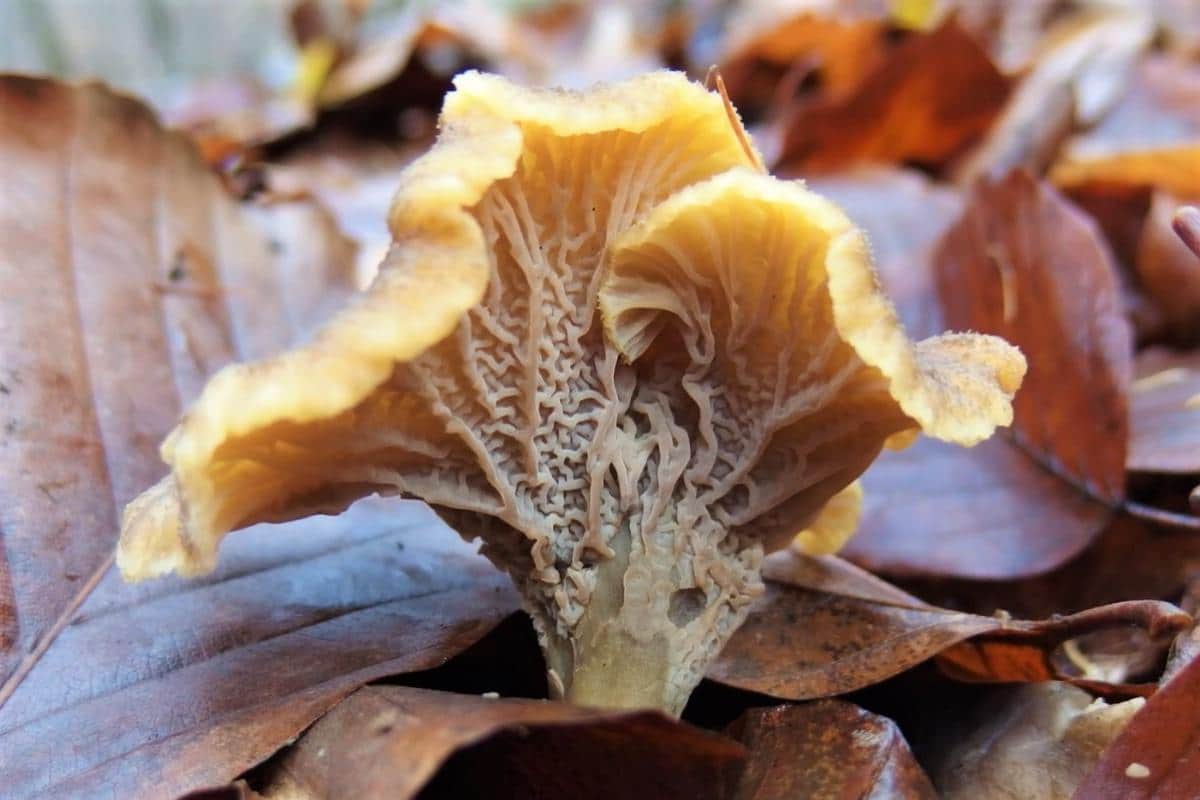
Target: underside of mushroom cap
[(771, 291), (230, 459)]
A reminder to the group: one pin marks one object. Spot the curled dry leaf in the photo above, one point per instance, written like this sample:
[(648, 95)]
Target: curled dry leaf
[(1186, 225), (1158, 752), (1021, 263), (175, 686), (127, 276), (825, 628), (827, 748), (1037, 740), (928, 99), (1168, 271), (1165, 435), (627, 441), (1028, 653), (391, 742)]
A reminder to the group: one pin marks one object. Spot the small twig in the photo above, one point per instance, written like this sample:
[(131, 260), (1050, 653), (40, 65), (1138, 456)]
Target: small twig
[(1162, 516), (43, 644), (713, 78)]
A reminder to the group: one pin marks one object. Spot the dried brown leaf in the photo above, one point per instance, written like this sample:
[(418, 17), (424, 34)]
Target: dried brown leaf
[(1131, 559), (173, 686), (761, 65), (218, 71), (394, 741), (828, 748), (355, 180), (1013, 31), (1024, 264), (1165, 419), (929, 98), (127, 275), (1027, 655), (413, 59), (1186, 225), (988, 513), (1168, 271), (826, 628)]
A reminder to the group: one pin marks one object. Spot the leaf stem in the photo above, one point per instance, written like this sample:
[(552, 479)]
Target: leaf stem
[(1162, 516)]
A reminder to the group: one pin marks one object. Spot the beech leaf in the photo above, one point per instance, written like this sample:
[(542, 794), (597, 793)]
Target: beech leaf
[(1165, 435), (825, 628), (986, 513), (1131, 559), (1036, 741), (926, 100), (1022, 263), (177, 685), (127, 275), (391, 742), (904, 214), (1081, 69), (827, 748), (761, 61), (1168, 271)]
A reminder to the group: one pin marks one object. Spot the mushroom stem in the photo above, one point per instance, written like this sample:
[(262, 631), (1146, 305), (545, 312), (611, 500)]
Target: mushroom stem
[(621, 672), (647, 634)]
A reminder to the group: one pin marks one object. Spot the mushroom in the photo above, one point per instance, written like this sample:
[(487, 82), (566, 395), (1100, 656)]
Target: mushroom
[(611, 347)]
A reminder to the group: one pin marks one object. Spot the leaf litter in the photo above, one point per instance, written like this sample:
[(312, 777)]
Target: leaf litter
[(132, 274)]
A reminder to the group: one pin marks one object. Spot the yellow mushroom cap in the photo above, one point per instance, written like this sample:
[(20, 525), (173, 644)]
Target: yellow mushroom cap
[(595, 314)]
